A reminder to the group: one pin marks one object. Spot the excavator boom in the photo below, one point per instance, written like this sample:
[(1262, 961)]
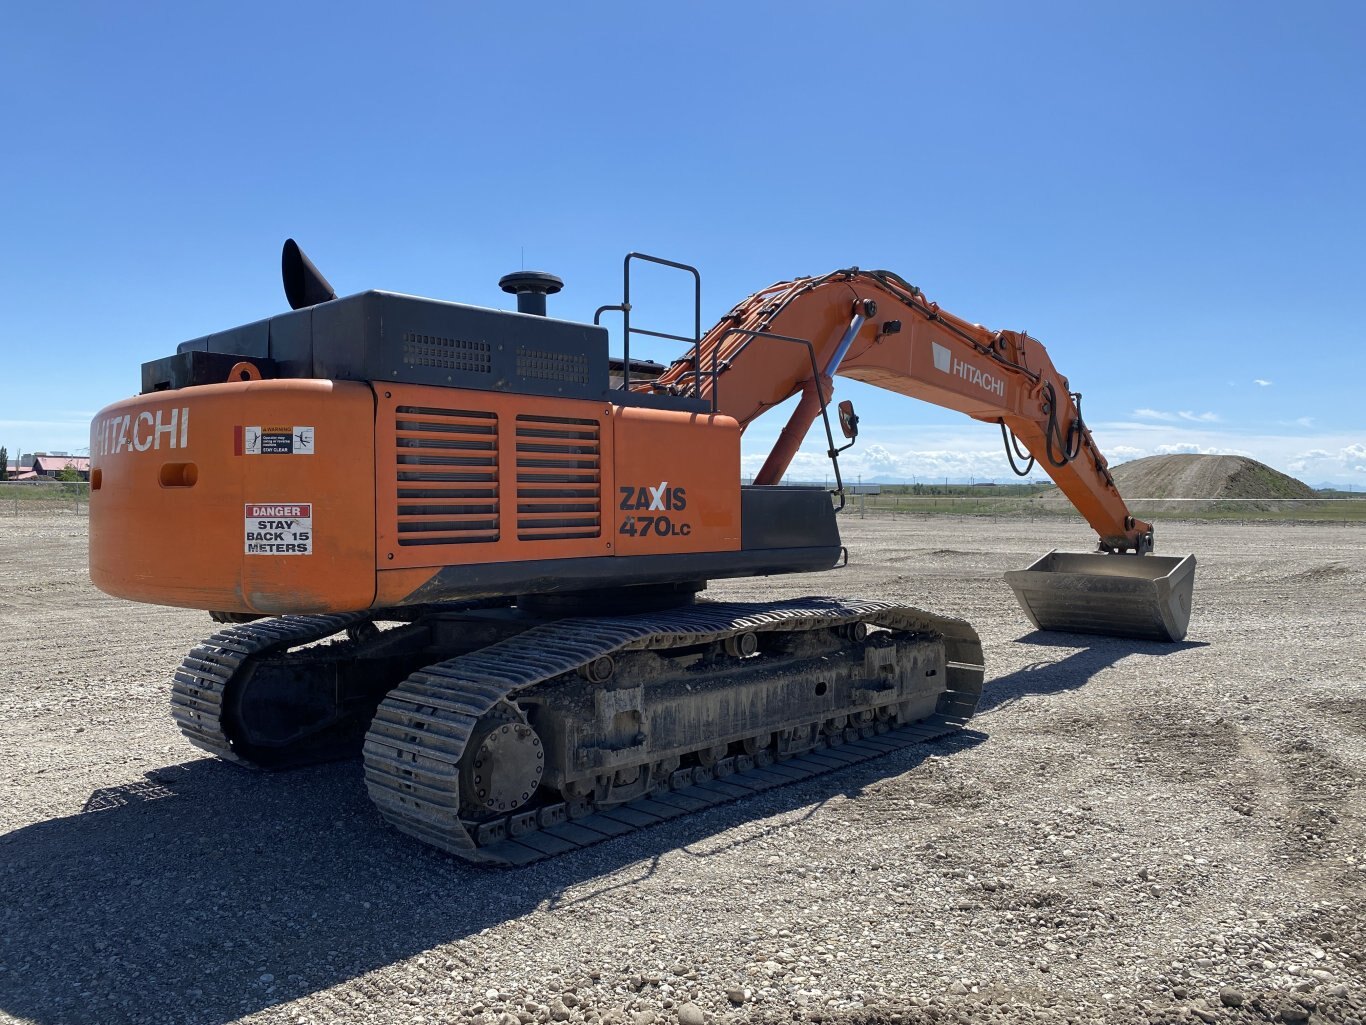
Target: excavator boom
[(875, 327)]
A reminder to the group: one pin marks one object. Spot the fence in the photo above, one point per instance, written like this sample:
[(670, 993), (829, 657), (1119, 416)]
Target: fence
[(73, 497), (1274, 510), (35, 497)]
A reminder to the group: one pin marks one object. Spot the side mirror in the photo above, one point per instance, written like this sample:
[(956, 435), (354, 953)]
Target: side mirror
[(848, 420)]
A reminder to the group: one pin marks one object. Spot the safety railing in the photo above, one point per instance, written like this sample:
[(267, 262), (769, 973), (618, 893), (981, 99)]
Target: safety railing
[(624, 308)]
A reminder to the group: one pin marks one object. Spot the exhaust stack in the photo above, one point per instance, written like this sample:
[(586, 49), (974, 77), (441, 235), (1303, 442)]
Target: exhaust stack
[(531, 287), (304, 284)]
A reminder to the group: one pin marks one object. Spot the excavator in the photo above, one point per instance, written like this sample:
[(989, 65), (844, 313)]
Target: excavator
[(469, 545)]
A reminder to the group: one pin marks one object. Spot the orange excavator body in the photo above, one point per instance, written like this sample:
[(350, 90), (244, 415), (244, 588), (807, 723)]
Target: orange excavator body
[(530, 520), (412, 488), (348, 525)]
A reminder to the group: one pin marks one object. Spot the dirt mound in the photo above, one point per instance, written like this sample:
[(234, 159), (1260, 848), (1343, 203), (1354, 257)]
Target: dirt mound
[(1213, 477), (1192, 484)]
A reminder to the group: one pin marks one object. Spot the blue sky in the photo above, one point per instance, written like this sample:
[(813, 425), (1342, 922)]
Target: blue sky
[(1169, 195)]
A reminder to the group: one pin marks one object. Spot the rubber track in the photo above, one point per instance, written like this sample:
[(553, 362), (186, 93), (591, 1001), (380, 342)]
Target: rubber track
[(201, 680), (418, 734)]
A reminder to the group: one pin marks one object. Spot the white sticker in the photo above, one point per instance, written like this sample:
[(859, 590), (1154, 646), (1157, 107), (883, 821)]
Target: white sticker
[(280, 528), (276, 441)]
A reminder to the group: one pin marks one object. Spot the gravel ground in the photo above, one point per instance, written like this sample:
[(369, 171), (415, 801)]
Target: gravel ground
[(1133, 832)]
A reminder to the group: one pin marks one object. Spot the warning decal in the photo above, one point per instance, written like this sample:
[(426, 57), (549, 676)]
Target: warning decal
[(281, 528), (273, 441)]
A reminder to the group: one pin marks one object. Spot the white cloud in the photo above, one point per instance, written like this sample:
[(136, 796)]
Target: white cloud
[(963, 450), (878, 459), (889, 462), (1304, 459), (1262, 381), (1185, 414), (1188, 448), (1349, 460)]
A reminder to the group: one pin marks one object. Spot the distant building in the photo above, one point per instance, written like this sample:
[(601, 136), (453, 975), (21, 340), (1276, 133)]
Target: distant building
[(20, 468), (49, 465)]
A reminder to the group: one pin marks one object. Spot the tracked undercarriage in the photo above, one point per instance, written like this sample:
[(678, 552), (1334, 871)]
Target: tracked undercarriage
[(503, 737)]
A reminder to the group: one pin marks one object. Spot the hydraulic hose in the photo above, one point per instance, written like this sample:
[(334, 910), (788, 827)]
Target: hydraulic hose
[(1071, 446), (1010, 441)]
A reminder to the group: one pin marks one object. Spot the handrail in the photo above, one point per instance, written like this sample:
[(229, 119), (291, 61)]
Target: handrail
[(628, 330), (816, 376)]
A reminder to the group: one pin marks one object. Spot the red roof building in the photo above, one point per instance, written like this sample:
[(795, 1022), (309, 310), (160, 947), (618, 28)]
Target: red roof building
[(45, 465)]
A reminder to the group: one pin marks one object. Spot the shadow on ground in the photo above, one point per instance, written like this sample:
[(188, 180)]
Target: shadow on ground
[(1053, 676), (171, 898)]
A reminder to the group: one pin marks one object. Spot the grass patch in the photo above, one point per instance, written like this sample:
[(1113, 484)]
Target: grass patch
[(1349, 508), (23, 496), (1043, 500)]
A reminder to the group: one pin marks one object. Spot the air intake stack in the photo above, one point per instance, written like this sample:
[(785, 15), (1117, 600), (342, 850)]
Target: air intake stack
[(531, 287)]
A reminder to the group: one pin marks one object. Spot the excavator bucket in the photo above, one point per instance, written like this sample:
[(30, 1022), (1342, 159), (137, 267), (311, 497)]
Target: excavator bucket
[(1147, 597)]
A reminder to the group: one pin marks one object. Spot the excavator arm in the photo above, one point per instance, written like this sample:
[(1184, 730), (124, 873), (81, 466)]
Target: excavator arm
[(873, 326)]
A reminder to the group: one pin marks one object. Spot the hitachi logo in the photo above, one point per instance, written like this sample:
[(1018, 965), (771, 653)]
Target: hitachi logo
[(166, 428), (950, 364)]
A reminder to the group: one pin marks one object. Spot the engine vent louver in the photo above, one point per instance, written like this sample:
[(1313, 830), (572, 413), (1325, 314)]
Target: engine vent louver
[(447, 472), (472, 357), (542, 365), (559, 478)]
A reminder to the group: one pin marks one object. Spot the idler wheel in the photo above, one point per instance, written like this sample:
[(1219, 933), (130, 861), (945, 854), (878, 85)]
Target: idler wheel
[(503, 763), (709, 756), (663, 769), (753, 745), (742, 645)]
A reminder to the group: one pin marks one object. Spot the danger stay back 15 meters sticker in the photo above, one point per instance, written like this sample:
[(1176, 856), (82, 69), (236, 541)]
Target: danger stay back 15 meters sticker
[(282, 528)]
